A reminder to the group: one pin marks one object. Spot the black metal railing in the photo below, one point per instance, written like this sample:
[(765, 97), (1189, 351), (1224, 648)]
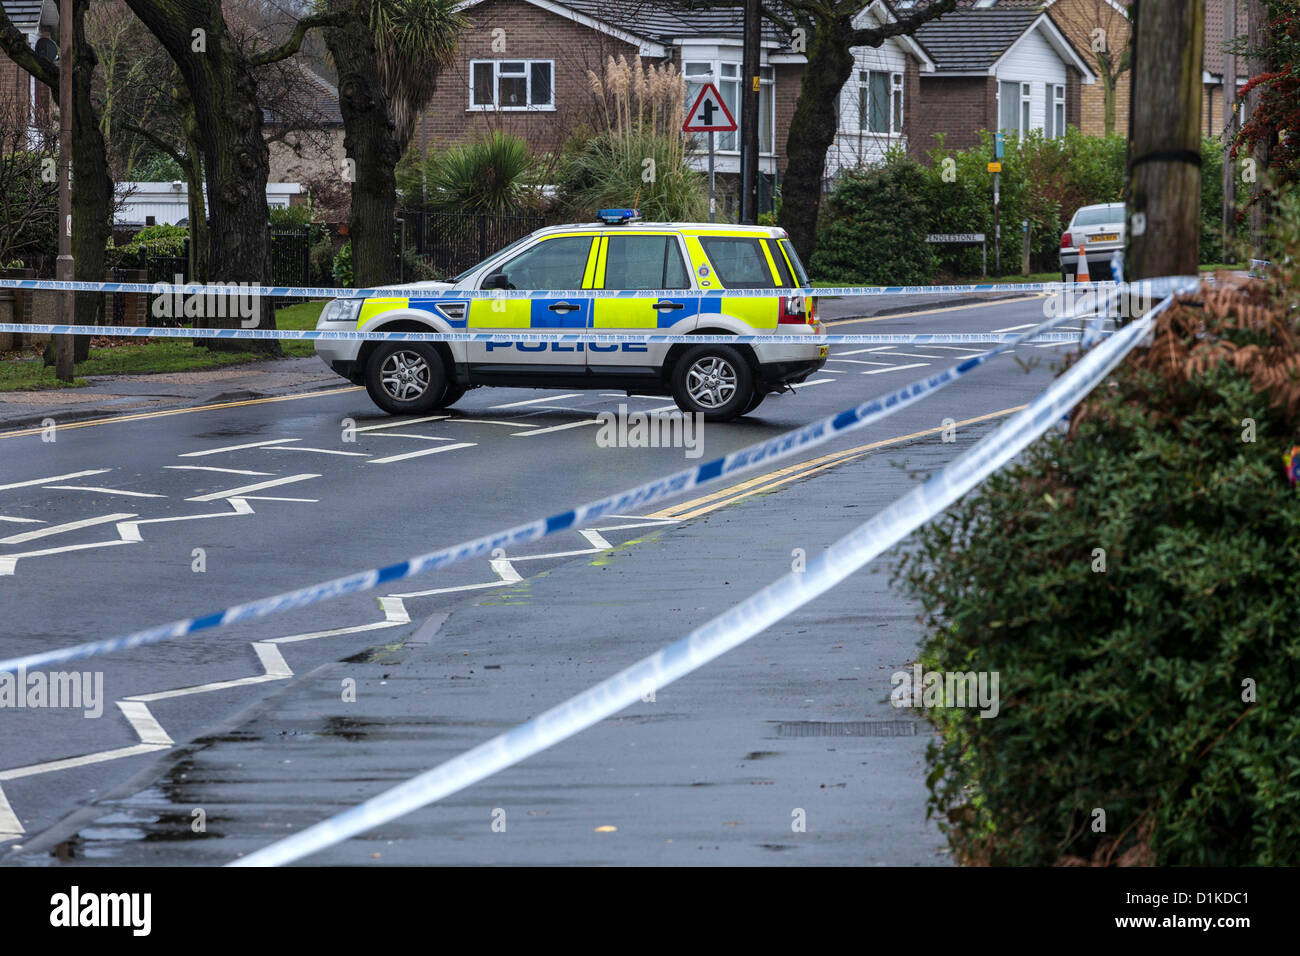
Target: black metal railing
[(449, 243)]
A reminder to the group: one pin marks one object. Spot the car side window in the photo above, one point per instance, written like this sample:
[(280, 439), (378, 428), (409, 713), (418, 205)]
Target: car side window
[(738, 262), (557, 263), (782, 268), (644, 262)]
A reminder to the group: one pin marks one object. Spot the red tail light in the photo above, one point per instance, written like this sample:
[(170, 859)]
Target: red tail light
[(795, 310), (1067, 241)]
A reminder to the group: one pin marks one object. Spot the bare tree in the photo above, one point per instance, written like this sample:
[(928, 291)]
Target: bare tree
[(1100, 31)]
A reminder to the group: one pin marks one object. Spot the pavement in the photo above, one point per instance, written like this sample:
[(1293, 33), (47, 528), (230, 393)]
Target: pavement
[(247, 729)]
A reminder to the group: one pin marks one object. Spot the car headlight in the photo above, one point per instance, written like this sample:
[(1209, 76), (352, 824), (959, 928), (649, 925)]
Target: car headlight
[(340, 310)]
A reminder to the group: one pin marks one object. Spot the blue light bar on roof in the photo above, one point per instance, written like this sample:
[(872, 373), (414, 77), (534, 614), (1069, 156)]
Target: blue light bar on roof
[(615, 217)]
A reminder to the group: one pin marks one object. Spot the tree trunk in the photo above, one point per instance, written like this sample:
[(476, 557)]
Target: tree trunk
[(1109, 83), (237, 164), (812, 131), (370, 143), (1164, 208), (1260, 208), (92, 185), (193, 169)]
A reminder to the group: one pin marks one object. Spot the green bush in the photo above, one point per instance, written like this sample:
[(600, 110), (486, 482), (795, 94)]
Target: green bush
[(1162, 687), (160, 240), (342, 267), (491, 175), (322, 259), (289, 217), (874, 231), (634, 167)]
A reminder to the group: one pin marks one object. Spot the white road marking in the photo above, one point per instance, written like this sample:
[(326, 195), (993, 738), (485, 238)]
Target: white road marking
[(310, 501), (226, 471), (896, 368), (537, 401), (251, 444), (321, 451), (130, 530), (422, 452), (102, 491), (639, 523), (21, 520), (236, 492), (908, 354), (26, 536), (395, 614), (46, 481), (410, 435), (874, 348), (556, 428), (661, 408), (502, 566), (1013, 328), (953, 348), (597, 540), (404, 421), (856, 362), (488, 421), (272, 662), (8, 562), (10, 828), (152, 738), (816, 381)]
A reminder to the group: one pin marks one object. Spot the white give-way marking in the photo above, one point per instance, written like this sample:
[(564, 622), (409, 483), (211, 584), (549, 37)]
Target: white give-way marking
[(237, 492), (46, 481), (251, 444)]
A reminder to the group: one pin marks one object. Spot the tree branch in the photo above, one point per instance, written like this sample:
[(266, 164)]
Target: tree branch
[(903, 25), (14, 43), (786, 25), (292, 45), (159, 142)]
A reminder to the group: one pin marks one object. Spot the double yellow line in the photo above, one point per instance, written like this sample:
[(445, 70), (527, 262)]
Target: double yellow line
[(774, 479)]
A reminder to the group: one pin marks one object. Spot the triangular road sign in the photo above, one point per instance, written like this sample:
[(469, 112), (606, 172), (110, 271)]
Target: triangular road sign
[(709, 114)]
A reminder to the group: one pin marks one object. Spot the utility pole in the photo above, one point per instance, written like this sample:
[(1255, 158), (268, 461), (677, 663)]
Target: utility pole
[(1164, 141), (64, 310), (749, 86), (1229, 128)]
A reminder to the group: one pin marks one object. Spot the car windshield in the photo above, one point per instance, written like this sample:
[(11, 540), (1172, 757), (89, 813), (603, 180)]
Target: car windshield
[(496, 255), (1098, 216)]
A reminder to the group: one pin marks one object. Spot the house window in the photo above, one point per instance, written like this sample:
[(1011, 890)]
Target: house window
[(511, 84), (1054, 100), (1013, 107), (726, 77), (879, 98)]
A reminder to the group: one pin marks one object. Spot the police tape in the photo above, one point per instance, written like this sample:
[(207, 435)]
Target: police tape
[(507, 337), (252, 289), (729, 629), (774, 449)]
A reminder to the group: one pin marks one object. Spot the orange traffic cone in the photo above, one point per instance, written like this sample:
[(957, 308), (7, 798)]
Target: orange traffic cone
[(1082, 275)]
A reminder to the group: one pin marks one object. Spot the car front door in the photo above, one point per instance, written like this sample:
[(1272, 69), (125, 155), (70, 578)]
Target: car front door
[(556, 262), (634, 262)]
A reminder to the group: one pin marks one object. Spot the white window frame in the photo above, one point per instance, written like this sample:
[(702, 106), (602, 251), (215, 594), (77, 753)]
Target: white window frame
[(1056, 120), (1024, 115), (494, 106), (766, 78)]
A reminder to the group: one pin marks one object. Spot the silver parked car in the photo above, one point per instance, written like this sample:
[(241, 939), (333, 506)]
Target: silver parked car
[(1100, 230)]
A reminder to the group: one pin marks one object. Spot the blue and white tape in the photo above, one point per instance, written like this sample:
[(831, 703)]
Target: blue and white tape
[(418, 291), (773, 449), (729, 629), (328, 335)]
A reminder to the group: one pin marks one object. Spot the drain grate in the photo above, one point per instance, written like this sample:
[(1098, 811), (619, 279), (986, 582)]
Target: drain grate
[(847, 728)]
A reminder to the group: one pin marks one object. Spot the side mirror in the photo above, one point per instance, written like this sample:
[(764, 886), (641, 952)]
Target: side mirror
[(497, 280)]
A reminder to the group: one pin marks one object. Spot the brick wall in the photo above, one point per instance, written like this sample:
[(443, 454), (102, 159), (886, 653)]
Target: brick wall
[(529, 33), (788, 78), (958, 106)]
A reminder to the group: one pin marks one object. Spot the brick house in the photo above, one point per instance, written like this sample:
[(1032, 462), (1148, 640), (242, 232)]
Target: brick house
[(22, 99), (1079, 19), (522, 67), (1005, 67)]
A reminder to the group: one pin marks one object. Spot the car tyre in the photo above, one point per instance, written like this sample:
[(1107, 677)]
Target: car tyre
[(406, 378), (754, 402), (714, 381), (450, 396)]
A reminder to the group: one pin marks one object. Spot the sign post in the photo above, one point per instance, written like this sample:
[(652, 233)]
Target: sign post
[(996, 169), (709, 114)]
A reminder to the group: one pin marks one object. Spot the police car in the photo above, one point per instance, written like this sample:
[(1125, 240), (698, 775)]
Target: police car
[(720, 382)]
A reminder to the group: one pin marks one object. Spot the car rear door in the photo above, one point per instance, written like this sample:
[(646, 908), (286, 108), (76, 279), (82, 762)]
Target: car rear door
[(636, 262)]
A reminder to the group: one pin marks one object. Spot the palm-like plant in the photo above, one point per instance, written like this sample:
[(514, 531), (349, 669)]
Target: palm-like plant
[(489, 175), (414, 41)]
